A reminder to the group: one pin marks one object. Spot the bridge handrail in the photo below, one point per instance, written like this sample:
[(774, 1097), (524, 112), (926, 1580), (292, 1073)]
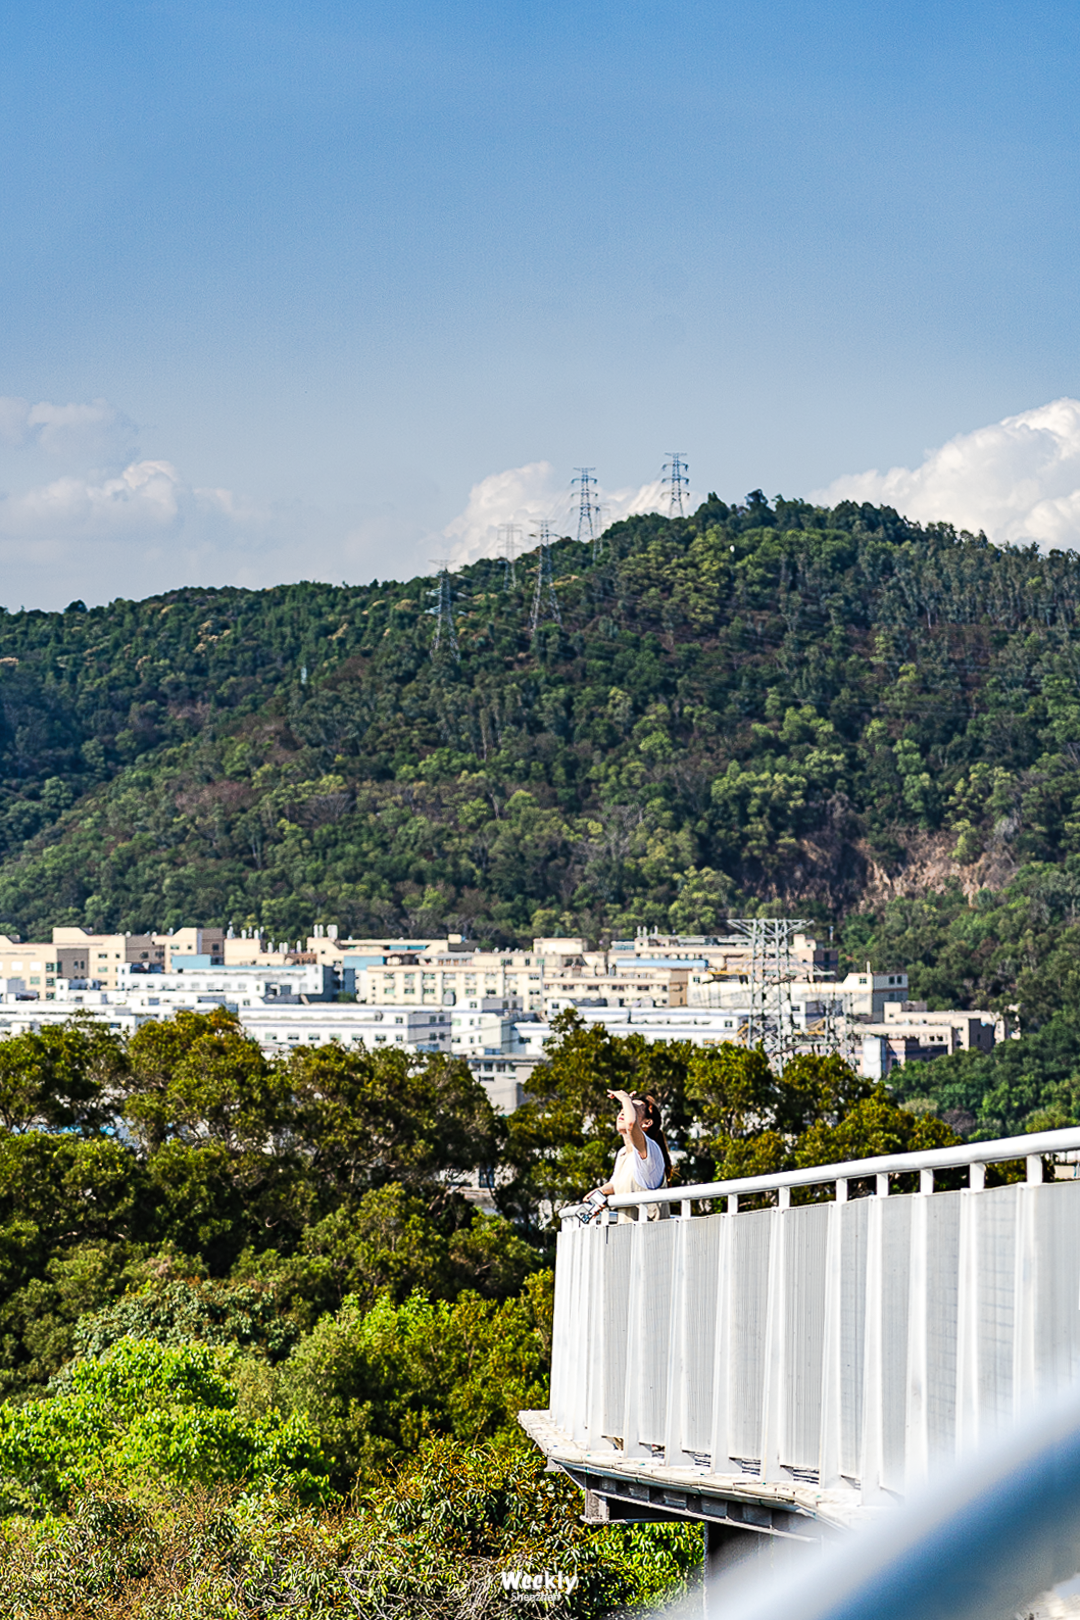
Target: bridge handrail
[(977, 1154)]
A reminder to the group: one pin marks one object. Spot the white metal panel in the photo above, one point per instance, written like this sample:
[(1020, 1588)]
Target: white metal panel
[(998, 1211), (931, 1362), (702, 1240), (616, 1242), (654, 1323), (750, 1243), (564, 1314), (895, 1299), (853, 1227), (1056, 1262), (805, 1257)]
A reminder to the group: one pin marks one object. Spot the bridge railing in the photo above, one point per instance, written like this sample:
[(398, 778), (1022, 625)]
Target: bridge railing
[(853, 1344)]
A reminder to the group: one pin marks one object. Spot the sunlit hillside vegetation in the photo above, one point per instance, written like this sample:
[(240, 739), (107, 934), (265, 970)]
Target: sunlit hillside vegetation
[(765, 703)]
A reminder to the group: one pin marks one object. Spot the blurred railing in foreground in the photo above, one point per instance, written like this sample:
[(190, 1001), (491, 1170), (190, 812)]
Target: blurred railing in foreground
[(987, 1541)]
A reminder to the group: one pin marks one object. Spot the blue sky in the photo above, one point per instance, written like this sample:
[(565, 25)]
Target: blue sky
[(333, 266)]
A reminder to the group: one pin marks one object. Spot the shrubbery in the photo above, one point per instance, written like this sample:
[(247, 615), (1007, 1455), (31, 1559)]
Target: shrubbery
[(430, 1544)]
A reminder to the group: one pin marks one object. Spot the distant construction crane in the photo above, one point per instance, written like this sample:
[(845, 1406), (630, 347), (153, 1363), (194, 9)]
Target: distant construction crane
[(676, 478), (446, 641), (545, 602), (588, 523)]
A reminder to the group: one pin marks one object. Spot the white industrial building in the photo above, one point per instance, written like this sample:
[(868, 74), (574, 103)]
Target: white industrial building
[(492, 1008)]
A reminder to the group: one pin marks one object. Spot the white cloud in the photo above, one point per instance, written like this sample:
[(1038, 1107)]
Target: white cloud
[(96, 431), (147, 496), (525, 496), (145, 530), (1019, 480)]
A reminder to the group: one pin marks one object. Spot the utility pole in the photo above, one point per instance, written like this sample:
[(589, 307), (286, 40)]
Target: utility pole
[(443, 612), (676, 477), (588, 523), (545, 602), (509, 535)]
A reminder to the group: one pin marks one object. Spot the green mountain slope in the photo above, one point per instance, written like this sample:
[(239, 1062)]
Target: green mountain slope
[(765, 703)]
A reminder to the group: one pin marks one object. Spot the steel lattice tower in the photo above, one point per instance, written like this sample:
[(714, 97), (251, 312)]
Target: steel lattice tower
[(771, 1023), (588, 523), (443, 612), (676, 478), (544, 594), (509, 535)]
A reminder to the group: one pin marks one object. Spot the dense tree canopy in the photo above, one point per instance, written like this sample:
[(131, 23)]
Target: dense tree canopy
[(767, 700)]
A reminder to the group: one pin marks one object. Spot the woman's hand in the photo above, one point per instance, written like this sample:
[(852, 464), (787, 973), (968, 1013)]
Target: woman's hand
[(627, 1111), (628, 1123)]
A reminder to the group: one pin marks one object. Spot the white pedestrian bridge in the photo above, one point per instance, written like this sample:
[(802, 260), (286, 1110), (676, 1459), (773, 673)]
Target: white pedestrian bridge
[(785, 1371)]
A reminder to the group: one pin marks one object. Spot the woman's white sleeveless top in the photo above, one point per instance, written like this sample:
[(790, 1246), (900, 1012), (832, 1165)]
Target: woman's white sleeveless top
[(625, 1182)]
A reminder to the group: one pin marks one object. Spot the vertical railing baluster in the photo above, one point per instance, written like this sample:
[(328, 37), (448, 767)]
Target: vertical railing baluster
[(916, 1409), (720, 1428), (968, 1424), (872, 1463), (775, 1352), (831, 1449)]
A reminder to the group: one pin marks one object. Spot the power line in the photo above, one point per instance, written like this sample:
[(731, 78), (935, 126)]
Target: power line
[(545, 602), (446, 640), (676, 478)]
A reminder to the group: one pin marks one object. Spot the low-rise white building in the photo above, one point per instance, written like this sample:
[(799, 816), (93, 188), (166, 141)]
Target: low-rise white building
[(281, 1029), (279, 1025), (239, 986), (908, 1033)]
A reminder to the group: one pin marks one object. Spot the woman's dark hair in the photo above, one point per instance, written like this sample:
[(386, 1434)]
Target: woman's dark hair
[(654, 1126)]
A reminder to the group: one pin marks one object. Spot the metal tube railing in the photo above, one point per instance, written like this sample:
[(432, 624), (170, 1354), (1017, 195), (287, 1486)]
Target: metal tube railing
[(975, 1155), (982, 1544)]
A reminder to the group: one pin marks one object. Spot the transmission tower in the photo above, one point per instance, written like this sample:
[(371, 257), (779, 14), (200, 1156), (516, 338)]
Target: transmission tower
[(771, 1021), (676, 477), (509, 535), (443, 612), (545, 602), (588, 522)]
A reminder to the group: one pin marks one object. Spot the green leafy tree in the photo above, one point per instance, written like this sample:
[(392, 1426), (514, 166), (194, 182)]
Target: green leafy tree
[(432, 1541), (55, 1078), (372, 1118), (563, 1141), (375, 1383), (150, 1412)]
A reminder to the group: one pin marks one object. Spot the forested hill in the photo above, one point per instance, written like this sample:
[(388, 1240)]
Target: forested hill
[(757, 703)]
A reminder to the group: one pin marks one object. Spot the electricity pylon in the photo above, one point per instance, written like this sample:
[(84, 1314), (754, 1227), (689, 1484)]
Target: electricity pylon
[(509, 535), (588, 522), (545, 602), (443, 612), (677, 480)]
